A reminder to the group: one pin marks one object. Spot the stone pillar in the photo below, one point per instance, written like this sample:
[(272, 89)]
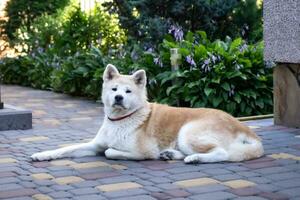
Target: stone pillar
[(287, 95), (282, 46)]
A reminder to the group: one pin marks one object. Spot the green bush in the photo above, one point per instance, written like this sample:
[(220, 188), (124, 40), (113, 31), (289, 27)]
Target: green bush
[(80, 74), (229, 75), (23, 12), (148, 21), (70, 30)]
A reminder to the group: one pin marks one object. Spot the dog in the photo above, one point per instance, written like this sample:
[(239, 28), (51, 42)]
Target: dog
[(134, 129)]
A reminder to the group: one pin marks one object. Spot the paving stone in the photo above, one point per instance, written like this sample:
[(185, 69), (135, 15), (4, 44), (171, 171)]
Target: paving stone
[(85, 184), (7, 160), (118, 186), (238, 184), (89, 165), (213, 196), (119, 167), (17, 193), (227, 177), (196, 182), (60, 194), (273, 196), (161, 195), (160, 180), (68, 180), (33, 139), (94, 176), (45, 189), (62, 162), (177, 193), (42, 176), (123, 193), (139, 197), (246, 191), (89, 197), (291, 192), (187, 175), (41, 197), (84, 191), (250, 198), (11, 186), (207, 189)]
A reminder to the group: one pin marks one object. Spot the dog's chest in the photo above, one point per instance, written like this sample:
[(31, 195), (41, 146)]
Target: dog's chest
[(121, 138)]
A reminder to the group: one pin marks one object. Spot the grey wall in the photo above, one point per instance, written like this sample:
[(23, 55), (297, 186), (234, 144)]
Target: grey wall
[(282, 30)]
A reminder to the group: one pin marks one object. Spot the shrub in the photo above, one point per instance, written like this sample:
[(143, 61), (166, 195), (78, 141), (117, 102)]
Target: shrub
[(148, 21), (70, 30), (80, 74), (23, 12), (229, 75)]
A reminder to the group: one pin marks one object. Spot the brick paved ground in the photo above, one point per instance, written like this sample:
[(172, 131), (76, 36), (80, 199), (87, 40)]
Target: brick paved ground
[(60, 120)]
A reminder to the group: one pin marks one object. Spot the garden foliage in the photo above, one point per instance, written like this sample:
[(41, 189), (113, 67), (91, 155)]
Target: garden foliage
[(68, 50), (148, 21), (23, 12)]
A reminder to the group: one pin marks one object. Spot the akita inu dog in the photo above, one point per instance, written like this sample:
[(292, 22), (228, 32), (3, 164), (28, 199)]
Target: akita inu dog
[(134, 129)]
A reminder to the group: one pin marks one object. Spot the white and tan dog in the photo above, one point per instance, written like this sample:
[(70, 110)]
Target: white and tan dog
[(135, 129)]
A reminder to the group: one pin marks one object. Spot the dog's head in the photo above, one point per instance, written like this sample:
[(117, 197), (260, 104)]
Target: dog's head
[(123, 93)]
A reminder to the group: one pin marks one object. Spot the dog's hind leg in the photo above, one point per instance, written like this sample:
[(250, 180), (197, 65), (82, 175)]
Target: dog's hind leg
[(215, 155)]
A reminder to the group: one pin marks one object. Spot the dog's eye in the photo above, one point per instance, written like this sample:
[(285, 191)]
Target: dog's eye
[(114, 89), (128, 91)]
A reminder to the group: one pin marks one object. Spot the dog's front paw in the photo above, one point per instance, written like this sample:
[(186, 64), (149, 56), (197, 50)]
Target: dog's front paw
[(46, 155), (110, 153), (166, 155)]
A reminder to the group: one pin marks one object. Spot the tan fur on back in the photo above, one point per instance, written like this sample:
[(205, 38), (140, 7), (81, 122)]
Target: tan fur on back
[(164, 123)]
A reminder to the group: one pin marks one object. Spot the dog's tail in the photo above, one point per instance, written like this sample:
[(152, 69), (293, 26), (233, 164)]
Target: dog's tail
[(245, 148)]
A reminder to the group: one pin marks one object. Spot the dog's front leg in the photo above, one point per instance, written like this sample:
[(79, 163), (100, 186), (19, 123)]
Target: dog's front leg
[(78, 150), (122, 155)]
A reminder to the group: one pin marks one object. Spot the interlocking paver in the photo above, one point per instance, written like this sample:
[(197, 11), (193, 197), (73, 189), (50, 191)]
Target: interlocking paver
[(41, 197), (196, 182), (238, 184), (61, 120), (42, 176), (68, 180), (118, 186)]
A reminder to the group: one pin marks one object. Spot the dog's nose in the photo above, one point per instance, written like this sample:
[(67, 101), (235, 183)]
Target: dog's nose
[(118, 98)]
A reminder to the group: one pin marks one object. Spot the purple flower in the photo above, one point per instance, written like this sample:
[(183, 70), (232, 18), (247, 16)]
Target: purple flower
[(177, 32), (150, 50), (189, 59), (205, 67), (231, 91), (243, 47), (158, 62), (40, 50), (214, 58)]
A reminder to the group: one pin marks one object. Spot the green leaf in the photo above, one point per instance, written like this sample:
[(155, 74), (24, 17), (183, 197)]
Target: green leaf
[(237, 98), (237, 42), (189, 37), (226, 86), (216, 101), (169, 89), (202, 34), (208, 91)]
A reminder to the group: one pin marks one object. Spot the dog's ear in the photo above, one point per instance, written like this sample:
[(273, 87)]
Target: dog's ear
[(140, 78), (110, 72)]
